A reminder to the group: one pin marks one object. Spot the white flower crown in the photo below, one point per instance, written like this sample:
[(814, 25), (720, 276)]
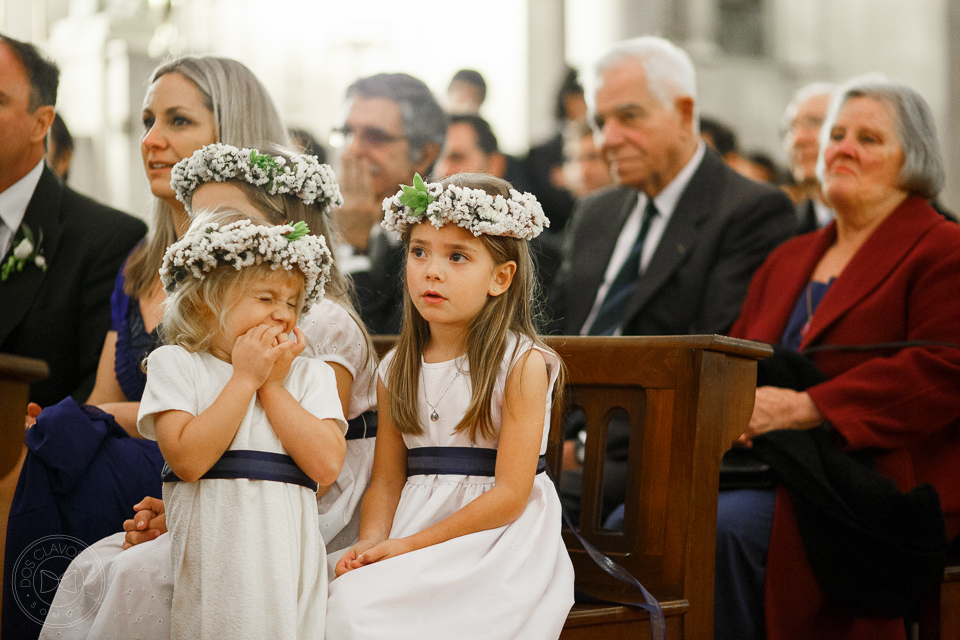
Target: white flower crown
[(301, 175), (519, 216), (241, 244)]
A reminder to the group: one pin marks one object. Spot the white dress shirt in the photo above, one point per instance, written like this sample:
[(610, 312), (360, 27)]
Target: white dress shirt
[(666, 202), (13, 206)]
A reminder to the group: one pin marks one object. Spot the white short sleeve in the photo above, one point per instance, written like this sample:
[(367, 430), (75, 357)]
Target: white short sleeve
[(314, 385), (171, 385), (334, 336)]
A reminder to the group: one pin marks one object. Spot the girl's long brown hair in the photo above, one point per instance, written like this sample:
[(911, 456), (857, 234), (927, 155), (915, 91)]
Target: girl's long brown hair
[(486, 341)]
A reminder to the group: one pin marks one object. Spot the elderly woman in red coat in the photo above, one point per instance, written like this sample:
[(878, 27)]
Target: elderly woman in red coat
[(887, 270)]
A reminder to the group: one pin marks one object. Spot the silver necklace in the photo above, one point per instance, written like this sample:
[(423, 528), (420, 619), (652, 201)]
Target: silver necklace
[(434, 415)]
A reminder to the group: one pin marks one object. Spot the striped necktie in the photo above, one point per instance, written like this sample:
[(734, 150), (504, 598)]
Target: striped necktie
[(614, 305)]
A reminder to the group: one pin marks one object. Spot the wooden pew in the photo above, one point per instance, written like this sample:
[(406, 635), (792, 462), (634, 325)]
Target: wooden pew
[(16, 374), (688, 398)]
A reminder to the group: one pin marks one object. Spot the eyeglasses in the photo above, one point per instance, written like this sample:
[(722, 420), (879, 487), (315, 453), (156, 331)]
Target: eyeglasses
[(806, 123), (366, 136)]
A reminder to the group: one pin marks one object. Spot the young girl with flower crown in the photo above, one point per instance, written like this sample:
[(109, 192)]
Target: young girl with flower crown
[(126, 594), (247, 429), (460, 529)]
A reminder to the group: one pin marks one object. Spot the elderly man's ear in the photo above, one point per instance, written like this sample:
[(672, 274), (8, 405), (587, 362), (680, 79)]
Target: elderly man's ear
[(685, 108), (42, 119)]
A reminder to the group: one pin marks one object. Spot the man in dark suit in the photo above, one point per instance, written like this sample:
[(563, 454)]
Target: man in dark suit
[(55, 289), (394, 129), (671, 250)]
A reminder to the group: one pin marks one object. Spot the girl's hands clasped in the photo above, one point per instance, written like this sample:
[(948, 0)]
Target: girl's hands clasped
[(369, 551), (291, 347), (262, 357)]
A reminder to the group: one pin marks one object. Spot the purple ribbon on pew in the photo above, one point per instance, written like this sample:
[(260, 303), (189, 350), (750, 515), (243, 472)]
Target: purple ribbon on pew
[(658, 628)]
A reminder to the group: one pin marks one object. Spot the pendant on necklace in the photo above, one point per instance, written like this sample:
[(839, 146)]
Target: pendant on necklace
[(434, 416)]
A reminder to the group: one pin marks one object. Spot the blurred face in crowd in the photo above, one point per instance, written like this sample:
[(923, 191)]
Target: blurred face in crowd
[(176, 122), (462, 154), (802, 141), (863, 157), (21, 132), (646, 142), (585, 170), (463, 97), (375, 138)]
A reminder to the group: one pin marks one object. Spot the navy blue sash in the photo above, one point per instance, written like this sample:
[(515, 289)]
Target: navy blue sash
[(253, 465), (456, 461), (363, 426)]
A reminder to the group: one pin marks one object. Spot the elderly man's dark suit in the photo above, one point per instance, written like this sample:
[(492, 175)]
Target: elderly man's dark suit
[(62, 315), (723, 227), (721, 230)]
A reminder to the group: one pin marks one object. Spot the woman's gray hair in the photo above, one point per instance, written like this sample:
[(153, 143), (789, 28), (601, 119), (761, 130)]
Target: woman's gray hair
[(424, 120), (668, 70), (922, 171), (244, 115)]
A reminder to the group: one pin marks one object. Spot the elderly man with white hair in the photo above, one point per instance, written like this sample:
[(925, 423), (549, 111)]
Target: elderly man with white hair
[(800, 127), (671, 250)]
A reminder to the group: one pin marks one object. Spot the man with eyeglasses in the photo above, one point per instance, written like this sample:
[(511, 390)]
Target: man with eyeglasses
[(394, 128), (800, 127)]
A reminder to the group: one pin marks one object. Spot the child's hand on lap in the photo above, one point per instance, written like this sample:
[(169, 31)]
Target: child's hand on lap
[(366, 552), (349, 560), (389, 548), (290, 349)]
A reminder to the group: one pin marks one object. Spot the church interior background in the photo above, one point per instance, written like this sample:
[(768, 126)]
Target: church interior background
[(750, 55)]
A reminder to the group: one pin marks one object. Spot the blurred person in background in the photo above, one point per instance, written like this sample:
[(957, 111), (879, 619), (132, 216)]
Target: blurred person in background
[(759, 166), (800, 129), (756, 165), (305, 142), (394, 128), (470, 147), (466, 92), (59, 148), (584, 168), (544, 164)]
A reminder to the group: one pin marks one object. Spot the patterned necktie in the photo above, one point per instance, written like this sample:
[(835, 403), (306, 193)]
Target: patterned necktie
[(614, 305)]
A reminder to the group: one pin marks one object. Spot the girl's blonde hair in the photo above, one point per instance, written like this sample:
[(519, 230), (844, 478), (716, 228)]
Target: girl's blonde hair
[(486, 341), (197, 309), (244, 115)]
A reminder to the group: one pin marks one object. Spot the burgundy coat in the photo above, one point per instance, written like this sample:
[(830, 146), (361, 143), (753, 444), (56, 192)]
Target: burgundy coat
[(902, 284)]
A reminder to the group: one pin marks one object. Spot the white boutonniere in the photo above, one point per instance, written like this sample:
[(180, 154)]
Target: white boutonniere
[(28, 250)]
